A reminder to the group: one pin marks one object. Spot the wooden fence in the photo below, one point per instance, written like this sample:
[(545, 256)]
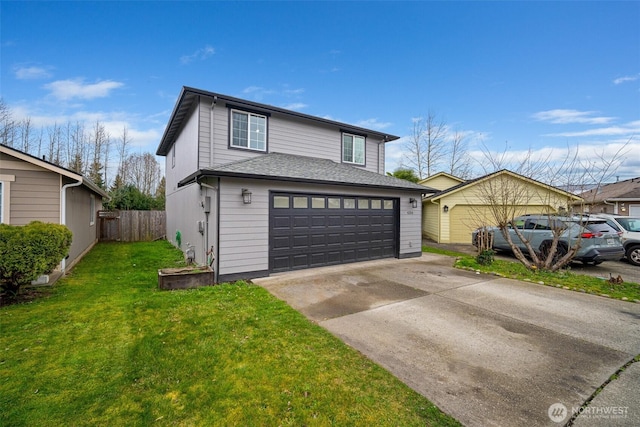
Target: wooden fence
[(132, 226)]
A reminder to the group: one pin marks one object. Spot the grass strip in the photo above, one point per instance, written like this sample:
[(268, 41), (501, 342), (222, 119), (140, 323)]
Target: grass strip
[(627, 291)]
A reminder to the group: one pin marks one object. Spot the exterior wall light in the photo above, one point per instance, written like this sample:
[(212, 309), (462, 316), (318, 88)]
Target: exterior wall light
[(445, 209), (246, 196), (414, 202)]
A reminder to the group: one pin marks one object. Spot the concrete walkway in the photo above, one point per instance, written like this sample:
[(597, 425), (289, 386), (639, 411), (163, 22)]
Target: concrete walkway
[(489, 351)]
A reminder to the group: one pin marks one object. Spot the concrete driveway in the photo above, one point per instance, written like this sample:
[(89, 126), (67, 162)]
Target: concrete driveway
[(486, 350)]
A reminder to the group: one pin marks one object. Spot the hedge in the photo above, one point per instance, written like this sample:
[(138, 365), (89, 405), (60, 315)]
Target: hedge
[(29, 251)]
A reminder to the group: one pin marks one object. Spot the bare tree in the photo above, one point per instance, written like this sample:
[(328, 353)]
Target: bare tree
[(459, 160), (76, 147), (25, 134), (414, 155), (143, 171), (506, 196), (7, 125), (55, 141), (426, 146), (98, 141), (124, 141), (435, 148)]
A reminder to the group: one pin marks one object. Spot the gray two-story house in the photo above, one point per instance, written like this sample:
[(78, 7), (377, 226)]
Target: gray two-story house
[(254, 189)]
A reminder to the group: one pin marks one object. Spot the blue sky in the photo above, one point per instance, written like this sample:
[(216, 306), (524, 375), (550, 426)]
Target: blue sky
[(535, 76)]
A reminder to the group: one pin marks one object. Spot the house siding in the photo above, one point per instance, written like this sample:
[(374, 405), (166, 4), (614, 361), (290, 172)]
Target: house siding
[(205, 151), (35, 195), (431, 220), (440, 182), (244, 229), (79, 214), (186, 153), (184, 210), (288, 135)]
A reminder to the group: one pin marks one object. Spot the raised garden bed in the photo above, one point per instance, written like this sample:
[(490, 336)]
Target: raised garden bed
[(185, 277)]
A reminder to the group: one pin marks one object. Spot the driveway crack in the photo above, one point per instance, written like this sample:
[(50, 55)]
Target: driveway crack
[(600, 389)]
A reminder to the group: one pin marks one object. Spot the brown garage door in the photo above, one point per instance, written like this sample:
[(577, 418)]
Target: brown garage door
[(310, 230)]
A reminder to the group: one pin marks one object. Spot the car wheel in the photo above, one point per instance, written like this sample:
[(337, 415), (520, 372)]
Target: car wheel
[(561, 251), (633, 255)]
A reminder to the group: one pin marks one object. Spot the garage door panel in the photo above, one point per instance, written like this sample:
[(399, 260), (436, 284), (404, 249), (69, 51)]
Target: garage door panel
[(300, 260), (300, 221), (319, 221), (349, 221), (327, 230), (281, 222), (280, 242), (334, 221), (301, 241), (318, 240)]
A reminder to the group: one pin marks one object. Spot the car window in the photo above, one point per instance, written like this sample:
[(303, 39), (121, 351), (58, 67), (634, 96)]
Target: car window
[(542, 224), (519, 223), (600, 227), (613, 225), (630, 224)]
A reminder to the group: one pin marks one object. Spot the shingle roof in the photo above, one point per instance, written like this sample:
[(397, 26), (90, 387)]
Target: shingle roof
[(627, 189), (288, 167)]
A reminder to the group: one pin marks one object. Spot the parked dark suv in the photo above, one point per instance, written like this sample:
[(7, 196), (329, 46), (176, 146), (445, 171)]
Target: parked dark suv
[(598, 241)]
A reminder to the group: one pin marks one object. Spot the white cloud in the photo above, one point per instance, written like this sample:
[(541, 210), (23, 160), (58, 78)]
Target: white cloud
[(31, 73), (77, 88), (373, 124), (625, 79), (295, 106), (200, 54), (561, 116), (631, 128), (293, 91)]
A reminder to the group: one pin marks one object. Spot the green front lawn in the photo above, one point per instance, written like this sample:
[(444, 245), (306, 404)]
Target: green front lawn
[(628, 291), (105, 347)]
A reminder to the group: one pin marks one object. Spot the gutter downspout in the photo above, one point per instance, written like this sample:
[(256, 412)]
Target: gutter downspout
[(206, 213), (615, 206), (63, 212)]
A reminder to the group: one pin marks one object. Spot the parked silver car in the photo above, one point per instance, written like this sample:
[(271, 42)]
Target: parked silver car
[(630, 228), (598, 240)]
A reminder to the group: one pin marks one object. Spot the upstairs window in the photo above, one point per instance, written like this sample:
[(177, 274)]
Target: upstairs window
[(353, 149), (248, 130)]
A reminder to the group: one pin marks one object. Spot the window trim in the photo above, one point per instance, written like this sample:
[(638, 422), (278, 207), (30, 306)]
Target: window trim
[(249, 114), (5, 208), (364, 148), (92, 209)]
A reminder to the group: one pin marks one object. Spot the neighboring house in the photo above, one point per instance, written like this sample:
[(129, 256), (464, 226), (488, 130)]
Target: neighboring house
[(451, 215), (620, 198), (32, 189), (266, 190), (441, 181)]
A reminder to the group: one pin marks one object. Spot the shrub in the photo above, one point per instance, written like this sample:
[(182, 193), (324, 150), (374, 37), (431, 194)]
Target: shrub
[(485, 257), (29, 251)]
